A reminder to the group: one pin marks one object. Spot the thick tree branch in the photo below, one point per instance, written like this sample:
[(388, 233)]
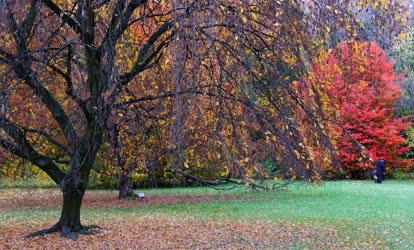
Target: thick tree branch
[(69, 83), (64, 17), (10, 146), (6, 57), (26, 74), (48, 137), (132, 6), (24, 149), (111, 36), (26, 27), (145, 56)]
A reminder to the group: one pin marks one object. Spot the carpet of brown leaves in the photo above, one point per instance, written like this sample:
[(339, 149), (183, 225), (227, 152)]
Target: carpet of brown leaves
[(11, 199), (157, 233), (166, 232)]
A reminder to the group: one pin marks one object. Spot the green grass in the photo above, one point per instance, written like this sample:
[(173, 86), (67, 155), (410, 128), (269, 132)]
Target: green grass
[(357, 209)]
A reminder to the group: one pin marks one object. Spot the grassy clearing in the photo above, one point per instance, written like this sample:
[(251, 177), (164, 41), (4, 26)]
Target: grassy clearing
[(359, 211)]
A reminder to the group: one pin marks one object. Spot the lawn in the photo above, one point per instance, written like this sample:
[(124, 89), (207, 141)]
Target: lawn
[(340, 214)]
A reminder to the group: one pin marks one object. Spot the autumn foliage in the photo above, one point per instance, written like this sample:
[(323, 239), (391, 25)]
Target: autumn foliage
[(358, 89)]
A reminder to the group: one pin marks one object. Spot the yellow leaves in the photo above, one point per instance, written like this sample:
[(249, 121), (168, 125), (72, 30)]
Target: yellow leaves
[(278, 178), (332, 9), (311, 155), (269, 136), (263, 101), (228, 131), (254, 16), (403, 37), (381, 4), (163, 3), (223, 8), (348, 27), (191, 152), (244, 161), (162, 122), (297, 154), (289, 58), (164, 65), (218, 155), (250, 172), (325, 101)]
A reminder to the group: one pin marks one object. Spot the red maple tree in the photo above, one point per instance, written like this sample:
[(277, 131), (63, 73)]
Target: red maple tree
[(359, 90)]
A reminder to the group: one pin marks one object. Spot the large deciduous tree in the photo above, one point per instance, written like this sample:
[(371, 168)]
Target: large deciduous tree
[(80, 66), (361, 91)]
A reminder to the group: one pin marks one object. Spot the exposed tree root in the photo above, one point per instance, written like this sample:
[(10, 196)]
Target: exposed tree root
[(90, 229), (66, 232), (52, 229)]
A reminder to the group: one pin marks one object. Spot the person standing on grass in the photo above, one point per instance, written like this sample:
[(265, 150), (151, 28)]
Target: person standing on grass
[(379, 171)]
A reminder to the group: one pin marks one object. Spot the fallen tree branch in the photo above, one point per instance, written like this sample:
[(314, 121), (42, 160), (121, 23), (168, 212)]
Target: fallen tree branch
[(220, 181)]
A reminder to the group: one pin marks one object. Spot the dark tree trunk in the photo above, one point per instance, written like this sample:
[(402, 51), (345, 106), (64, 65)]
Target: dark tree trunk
[(70, 218), (125, 186), (152, 172), (69, 224)]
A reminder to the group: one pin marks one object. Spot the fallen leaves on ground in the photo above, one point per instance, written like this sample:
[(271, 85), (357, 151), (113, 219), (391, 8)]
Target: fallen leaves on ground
[(11, 199), (176, 233), (164, 232)]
